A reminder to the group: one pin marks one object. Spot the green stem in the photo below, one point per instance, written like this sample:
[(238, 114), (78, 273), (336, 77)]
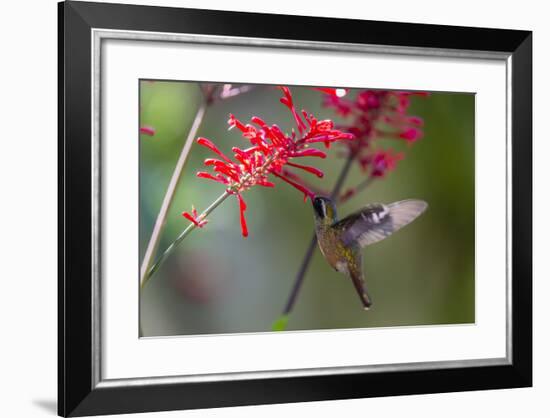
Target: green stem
[(171, 191), (231, 190), (180, 238)]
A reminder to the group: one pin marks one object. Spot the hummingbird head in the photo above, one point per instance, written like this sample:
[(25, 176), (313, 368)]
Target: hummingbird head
[(324, 209)]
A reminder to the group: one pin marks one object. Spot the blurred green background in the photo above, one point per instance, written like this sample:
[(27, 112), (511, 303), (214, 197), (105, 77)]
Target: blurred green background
[(219, 282)]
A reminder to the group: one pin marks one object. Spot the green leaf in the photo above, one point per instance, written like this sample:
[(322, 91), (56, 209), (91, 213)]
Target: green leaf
[(280, 323)]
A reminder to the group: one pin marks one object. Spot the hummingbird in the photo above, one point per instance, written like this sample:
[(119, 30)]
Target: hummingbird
[(341, 241)]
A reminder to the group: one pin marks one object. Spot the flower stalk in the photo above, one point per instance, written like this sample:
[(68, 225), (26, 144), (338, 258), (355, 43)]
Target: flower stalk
[(210, 95), (199, 220), (181, 236), (170, 193)]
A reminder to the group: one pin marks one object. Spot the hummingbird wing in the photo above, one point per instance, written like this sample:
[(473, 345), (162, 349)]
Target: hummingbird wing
[(377, 221)]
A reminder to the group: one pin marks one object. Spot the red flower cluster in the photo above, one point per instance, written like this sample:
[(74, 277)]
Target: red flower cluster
[(270, 152), (377, 114)]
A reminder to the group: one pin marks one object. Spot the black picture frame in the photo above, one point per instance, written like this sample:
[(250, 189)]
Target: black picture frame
[(79, 395)]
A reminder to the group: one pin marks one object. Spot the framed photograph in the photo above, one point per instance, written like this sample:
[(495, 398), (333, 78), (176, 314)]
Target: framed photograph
[(264, 209)]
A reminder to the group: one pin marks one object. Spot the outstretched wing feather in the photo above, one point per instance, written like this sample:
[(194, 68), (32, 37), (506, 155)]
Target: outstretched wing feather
[(376, 222)]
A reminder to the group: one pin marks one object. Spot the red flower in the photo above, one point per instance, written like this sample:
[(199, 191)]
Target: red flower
[(332, 91), (287, 101), (270, 151), (242, 209), (147, 130), (411, 134), (194, 217), (381, 162)]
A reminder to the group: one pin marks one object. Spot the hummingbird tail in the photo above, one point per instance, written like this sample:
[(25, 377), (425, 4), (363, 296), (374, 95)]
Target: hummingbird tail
[(359, 283)]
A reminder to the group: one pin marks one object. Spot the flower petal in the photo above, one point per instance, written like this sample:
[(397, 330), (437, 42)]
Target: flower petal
[(309, 169), (242, 209), (307, 193), (147, 130), (210, 145)]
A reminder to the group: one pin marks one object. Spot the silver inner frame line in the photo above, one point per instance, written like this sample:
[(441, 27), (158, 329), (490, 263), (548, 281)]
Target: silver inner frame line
[(98, 35)]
